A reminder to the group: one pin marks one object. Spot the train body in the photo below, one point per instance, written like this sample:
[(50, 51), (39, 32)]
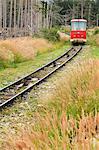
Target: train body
[(78, 31)]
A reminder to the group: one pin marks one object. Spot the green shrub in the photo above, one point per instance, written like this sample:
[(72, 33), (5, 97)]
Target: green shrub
[(96, 31), (50, 34), (6, 64), (65, 29)]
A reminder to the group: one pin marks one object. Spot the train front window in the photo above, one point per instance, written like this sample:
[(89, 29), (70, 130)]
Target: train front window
[(78, 25)]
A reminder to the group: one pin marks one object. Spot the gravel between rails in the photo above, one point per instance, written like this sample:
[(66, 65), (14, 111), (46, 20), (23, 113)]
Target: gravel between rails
[(21, 114)]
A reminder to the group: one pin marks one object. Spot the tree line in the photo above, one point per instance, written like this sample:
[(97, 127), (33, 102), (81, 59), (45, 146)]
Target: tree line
[(24, 17), (70, 9)]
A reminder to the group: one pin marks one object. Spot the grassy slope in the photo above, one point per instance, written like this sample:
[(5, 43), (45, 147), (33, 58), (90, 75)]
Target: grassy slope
[(21, 69), (93, 41), (95, 51)]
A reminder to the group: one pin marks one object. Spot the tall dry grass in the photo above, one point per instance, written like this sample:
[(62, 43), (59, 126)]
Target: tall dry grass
[(71, 120), (55, 132), (42, 45), (6, 56), (93, 36), (22, 49)]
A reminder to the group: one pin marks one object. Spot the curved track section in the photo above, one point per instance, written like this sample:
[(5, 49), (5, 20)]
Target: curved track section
[(24, 85)]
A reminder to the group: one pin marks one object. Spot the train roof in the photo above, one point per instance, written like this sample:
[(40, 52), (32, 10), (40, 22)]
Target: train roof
[(78, 20)]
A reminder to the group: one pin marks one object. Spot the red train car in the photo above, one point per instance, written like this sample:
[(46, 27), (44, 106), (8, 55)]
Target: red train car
[(78, 31)]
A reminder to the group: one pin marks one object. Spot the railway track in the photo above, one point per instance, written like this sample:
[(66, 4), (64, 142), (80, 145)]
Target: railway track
[(24, 85)]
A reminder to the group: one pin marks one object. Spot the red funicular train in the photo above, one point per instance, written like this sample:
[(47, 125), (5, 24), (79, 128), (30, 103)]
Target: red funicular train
[(78, 31)]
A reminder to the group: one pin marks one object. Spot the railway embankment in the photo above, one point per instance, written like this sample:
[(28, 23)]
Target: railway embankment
[(62, 112), (56, 107)]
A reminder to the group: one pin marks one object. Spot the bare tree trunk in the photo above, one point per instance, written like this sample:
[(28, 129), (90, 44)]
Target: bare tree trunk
[(11, 3), (14, 16), (73, 12), (50, 16), (47, 17), (19, 11), (82, 9), (89, 15), (21, 14), (97, 20), (26, 2), (37, 22), (31, 15), (4, 13), (0, 14), (39, 16), (43, 19)]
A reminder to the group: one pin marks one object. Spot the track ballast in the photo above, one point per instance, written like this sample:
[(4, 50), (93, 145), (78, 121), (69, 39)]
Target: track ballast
[(24, 85)]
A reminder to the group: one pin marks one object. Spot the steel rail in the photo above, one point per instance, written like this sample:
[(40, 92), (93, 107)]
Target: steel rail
[(29, 88), (39, 69)]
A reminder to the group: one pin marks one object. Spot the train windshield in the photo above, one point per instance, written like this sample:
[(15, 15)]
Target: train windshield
[(78, 25)]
